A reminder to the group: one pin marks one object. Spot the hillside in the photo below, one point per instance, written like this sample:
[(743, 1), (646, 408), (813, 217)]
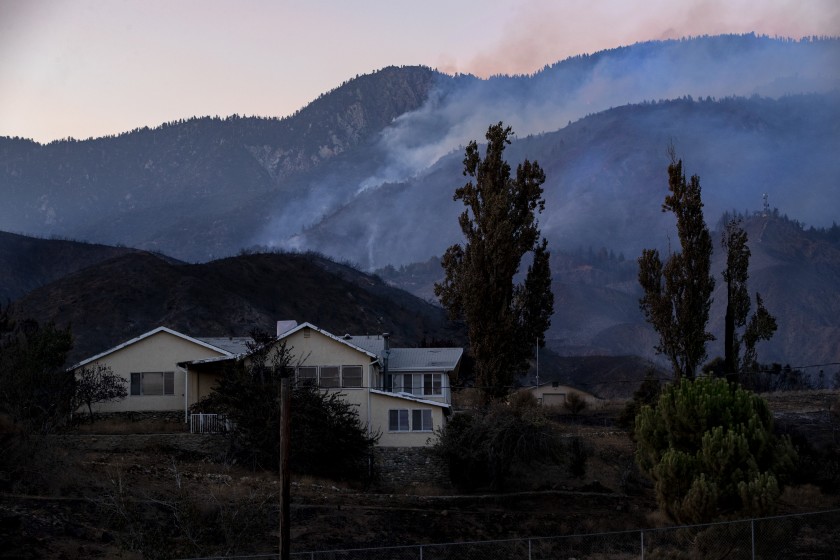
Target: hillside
[(202, 188), (27, 262), (796, 270), (126, 296)]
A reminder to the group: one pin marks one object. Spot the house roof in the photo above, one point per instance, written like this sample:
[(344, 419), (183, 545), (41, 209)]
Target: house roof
[(233, 344), (342, 340), (200, 342), (408, 397), (424, 359)]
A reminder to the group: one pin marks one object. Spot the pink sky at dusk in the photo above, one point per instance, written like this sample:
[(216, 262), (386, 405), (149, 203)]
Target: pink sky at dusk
[(87, 68)]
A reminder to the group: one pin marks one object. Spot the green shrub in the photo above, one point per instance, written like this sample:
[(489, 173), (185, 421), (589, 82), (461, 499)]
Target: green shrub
[(710, 449)]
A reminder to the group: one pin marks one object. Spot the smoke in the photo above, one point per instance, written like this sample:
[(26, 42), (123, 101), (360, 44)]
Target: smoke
[(420, 150)]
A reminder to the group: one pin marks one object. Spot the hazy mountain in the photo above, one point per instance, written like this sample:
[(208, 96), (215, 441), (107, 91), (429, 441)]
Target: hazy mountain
[(206, 187), (607, 178), (795, 269), (27, 263), (123, 297), (366, 173)]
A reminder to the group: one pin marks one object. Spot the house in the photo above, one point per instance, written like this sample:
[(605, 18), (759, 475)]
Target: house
[(401, 393), (552, 393), (149, 366)]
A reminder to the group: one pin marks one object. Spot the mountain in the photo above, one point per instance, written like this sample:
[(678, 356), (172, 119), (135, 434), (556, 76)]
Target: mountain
[(596, 311), (27, 263), (123, 297), (206, 187)]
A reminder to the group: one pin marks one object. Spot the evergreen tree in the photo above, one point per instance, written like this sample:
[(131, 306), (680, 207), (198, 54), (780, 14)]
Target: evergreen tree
[(710, 449), (677, 293), (504, 320)]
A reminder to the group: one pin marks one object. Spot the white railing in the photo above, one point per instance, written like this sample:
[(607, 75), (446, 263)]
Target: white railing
[(207, 423)]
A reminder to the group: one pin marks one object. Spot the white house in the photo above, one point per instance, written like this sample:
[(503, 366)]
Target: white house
[(149, 366), (401, 393)]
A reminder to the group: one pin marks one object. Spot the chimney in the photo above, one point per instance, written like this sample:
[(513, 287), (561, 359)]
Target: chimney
[(386, 343), (285, 326)]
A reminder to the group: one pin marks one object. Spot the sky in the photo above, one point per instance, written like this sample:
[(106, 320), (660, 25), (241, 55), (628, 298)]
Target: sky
[(88, 68)]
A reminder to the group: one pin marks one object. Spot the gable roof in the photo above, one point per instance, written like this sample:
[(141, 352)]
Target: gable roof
[(233, 344), (424, 359), (147, 335), (346, 342)]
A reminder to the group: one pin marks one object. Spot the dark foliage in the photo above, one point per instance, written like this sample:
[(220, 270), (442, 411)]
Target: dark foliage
[(678, 291), (35, 390), (328, 438), (484, 448), (503, 319), (647, 394), (95, 384)]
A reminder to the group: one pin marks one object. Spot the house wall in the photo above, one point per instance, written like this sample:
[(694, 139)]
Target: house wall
[(549, 395), (158, 352), (380, 407)]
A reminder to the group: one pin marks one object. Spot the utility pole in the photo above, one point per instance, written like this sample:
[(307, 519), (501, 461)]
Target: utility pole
[(285, 448)]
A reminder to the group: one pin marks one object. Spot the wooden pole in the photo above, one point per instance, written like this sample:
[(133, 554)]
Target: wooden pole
[(285, 479)]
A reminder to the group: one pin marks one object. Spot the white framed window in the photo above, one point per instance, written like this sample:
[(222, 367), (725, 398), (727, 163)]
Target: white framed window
[(421, 420), (351, 376), (330, 377), (398, 420), (152, 383), (307, 375), (432, 384)]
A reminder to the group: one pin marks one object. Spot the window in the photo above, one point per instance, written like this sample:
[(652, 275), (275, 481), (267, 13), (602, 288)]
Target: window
[(398, 420), (330, 377), (421, 420), (417, 384), (408, 383), (307, 375), (351, 376), (151, 383), (432, 384)]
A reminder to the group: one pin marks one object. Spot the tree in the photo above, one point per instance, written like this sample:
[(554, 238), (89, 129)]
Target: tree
[(95, 384), (503, 320), (677, 293), (35, 389), (710, 448), (762, 324), (327, 436)]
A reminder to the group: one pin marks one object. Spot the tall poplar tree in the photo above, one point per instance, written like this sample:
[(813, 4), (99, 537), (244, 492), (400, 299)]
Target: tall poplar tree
[(678, 292), (504, 319)]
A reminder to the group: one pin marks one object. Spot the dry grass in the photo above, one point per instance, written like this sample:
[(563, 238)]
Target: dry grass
[(117, 426)]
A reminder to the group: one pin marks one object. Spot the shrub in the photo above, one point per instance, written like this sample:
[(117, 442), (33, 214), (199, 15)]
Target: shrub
[(328, 438), (710, 449), (484, 448)]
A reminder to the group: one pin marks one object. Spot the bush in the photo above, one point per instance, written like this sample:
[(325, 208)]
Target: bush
[(710, 449), (647, 394), (328, 439), (484, 448)]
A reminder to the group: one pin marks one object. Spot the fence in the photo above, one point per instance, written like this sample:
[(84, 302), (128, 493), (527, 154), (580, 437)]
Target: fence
[(207, 423), (811, 536)]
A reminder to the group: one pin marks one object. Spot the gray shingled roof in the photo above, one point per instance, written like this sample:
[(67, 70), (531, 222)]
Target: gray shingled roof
[(372, 343), (421, 359), (234, 344)]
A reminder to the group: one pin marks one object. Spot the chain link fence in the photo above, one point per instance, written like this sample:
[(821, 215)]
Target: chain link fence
[(812, 536)]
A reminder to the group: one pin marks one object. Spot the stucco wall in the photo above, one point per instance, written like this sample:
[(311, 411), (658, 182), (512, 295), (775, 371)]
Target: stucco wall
[(158, 352)]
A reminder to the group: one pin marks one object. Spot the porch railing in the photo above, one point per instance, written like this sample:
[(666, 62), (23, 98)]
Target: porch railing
[(207, 423)]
